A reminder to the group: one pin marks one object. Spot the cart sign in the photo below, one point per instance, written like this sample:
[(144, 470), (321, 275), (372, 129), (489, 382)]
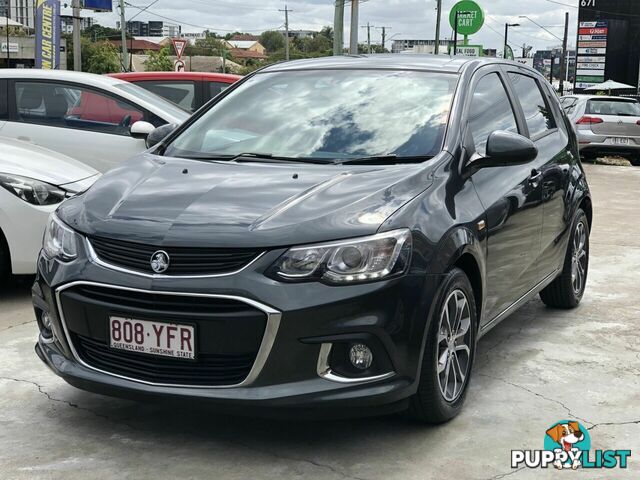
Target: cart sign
[(470, 21), (48, 34), (179, 44)]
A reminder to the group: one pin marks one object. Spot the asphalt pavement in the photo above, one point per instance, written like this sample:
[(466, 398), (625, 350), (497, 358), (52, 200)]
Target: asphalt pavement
[(537, 367)]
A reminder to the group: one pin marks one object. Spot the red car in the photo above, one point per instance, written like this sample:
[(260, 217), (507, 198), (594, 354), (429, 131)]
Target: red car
[(189, 90)]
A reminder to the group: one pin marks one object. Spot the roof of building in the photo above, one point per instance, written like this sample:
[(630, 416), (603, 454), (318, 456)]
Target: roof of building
[(245, 37), (242, 44), (135, 44), (239, 53)]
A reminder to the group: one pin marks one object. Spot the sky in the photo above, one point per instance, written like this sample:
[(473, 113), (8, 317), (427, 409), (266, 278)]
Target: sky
[(404, 18)]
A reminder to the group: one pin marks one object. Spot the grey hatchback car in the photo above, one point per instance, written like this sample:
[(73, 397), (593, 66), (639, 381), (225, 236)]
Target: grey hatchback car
[(605, 125)]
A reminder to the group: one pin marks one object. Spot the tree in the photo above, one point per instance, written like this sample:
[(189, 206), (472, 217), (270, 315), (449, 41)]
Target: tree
[(208, 46), (101, 57), (159, 61), (272, 41)]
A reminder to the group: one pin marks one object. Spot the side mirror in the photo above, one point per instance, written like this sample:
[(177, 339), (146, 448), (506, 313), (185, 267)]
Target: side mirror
[(158, 134), (509, 148), (141, 129)]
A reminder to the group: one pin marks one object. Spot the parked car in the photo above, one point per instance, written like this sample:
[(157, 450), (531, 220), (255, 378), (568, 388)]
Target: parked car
[(605, 125), (34, 181), (189, 90), (95, 119), (333, 234)]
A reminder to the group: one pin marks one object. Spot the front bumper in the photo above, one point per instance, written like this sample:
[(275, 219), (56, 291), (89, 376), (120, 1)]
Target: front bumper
[(292, 368)]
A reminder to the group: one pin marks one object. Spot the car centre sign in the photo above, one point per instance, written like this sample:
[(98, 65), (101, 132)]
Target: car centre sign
[(470, 17)]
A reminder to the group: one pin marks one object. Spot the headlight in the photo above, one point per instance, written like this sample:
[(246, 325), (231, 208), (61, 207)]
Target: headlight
[(358, 260), (32, 191), (59, 240)]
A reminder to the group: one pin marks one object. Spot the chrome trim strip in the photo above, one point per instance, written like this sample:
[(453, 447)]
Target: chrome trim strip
[(324, 371), (518, 303), (271, 329), (94, 258)]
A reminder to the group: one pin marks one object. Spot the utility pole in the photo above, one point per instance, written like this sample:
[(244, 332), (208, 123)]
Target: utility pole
[(77, 47), (123, 33), (368, 27), (353, 31), (563, 66), (553, 60), (7, 29), (286, 31), (455, 33), (436, 48), (384, 36), (338, 28)]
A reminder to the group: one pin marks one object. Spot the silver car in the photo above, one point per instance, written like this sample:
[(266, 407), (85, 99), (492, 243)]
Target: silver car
[(605, 125)]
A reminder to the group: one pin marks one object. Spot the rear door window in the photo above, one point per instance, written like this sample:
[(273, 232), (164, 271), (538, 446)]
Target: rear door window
[(622, 108), (3, 99), (72, 106), (537, 113), (490, 110), (182, 93)]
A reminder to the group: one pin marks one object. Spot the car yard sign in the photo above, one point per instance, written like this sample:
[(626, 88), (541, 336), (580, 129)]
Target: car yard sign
[(48, 34), (470, 17)]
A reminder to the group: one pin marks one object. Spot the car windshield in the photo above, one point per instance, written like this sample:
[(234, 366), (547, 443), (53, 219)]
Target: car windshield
[(624, 108), (325, 114), (158, 102)]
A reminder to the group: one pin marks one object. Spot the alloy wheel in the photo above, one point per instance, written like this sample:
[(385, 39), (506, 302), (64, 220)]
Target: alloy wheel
[(579, 259), (454, 340)]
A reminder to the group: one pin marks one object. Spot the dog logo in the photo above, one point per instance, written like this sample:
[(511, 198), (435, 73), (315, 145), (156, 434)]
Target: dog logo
[(568, 437), (160, 261)]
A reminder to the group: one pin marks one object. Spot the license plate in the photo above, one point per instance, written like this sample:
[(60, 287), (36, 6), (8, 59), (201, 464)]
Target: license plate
[(621, 141), (155, 338)]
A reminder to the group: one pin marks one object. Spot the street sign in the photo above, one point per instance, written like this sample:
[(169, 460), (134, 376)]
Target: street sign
[(98, 5), (470, 21), (528, 61), (178, 66), (179, 44), (13, 48)]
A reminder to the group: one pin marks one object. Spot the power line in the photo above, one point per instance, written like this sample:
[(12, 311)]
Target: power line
[(198, 26), (563, 4)]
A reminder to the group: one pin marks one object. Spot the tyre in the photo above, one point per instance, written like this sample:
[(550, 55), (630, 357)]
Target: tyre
[(449, 351), (5, 259), (566, 291)]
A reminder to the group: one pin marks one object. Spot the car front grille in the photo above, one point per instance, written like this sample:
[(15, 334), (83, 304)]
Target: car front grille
[(208, 369), (229, 333), (183, 260)]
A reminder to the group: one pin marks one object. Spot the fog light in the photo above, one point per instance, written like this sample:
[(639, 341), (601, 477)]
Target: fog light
[(46, 321), (361, 356)]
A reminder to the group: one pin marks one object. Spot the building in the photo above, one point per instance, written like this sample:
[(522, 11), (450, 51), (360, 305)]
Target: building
[(543, 60), (250, 48), (66, 23), (300, 34), (152, 29), (135, 45), (419, 46), (19, 10), (22, 52)]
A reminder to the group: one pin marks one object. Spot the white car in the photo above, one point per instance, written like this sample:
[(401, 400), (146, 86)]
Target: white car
[(98, 120), (33, 182)]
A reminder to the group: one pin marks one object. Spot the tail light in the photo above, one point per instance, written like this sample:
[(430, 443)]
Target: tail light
[(586, 120)]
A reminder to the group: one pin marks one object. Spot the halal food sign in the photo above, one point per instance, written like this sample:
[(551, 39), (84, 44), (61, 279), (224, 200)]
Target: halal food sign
[(470, 17)]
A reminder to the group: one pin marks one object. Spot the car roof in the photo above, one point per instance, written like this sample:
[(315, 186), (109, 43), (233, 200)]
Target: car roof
[(193, 76), (90, 79), (411, 61)]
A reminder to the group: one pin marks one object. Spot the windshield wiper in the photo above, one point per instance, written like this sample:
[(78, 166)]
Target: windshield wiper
[(389, 158), (255, 157)]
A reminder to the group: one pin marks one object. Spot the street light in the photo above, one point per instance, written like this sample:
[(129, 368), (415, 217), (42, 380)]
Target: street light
[(506, 35)]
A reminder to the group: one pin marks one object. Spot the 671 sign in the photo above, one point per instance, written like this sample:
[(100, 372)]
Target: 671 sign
[(587, 3)]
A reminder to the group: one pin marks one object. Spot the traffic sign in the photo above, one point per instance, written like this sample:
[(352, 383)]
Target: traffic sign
[(178, 66), (470, 21), (179, 44)]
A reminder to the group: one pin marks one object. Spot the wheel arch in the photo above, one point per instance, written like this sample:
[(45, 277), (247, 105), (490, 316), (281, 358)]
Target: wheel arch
[(5, 263)]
